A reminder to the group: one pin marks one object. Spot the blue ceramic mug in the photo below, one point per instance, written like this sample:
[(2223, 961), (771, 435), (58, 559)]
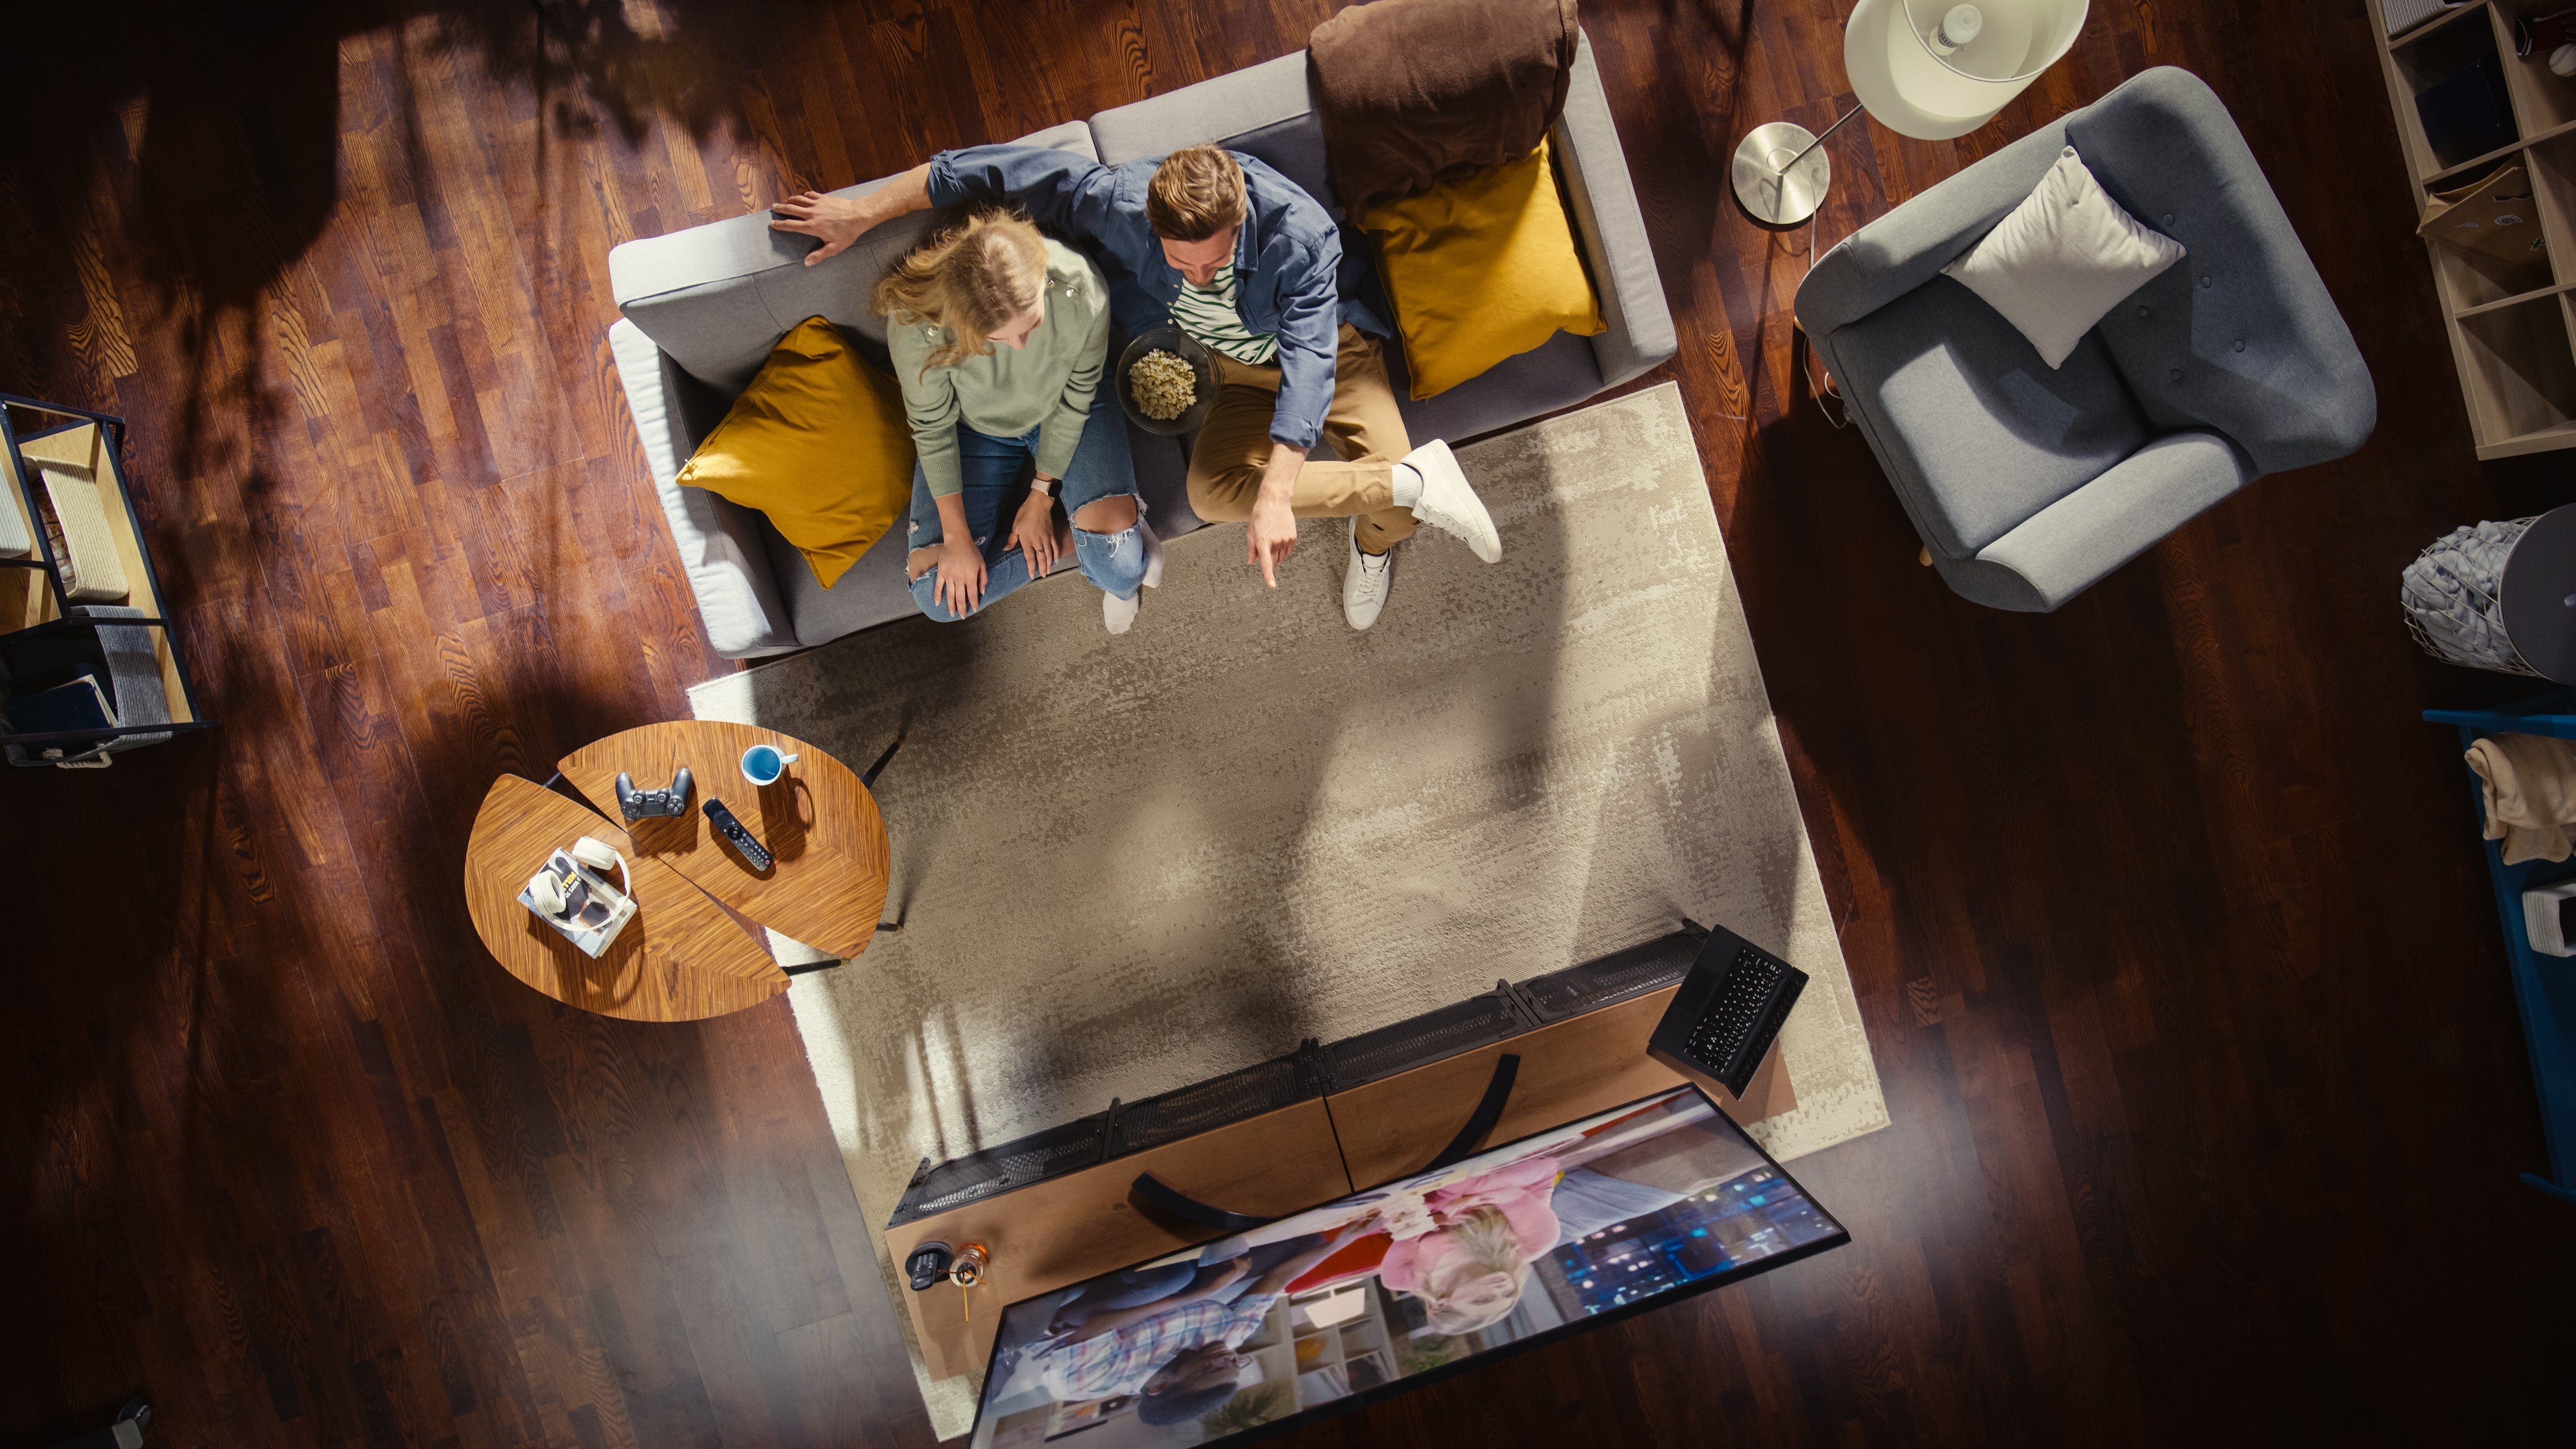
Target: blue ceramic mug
[(763, 764)]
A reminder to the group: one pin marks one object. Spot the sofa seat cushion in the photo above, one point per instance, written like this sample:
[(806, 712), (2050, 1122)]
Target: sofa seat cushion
[(1978, 433), (878, 589), (1556, 374), (819, 445), (1480, 269)]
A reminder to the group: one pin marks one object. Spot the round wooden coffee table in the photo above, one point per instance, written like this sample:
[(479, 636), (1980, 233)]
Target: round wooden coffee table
[(827, 885), (678, 959), (690, 950)]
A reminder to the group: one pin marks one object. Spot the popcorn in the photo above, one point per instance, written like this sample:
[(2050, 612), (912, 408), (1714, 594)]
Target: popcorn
[(1164, 385)]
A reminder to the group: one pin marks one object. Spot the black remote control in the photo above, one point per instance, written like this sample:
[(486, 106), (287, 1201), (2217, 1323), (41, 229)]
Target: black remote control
[(736, 834)]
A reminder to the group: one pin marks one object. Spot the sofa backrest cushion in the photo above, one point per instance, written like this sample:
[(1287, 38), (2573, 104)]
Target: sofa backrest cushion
[(1264, 111), (718, 297), (2241, 336)]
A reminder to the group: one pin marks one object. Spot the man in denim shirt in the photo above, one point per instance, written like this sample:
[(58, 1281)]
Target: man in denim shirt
[(1245, 262)]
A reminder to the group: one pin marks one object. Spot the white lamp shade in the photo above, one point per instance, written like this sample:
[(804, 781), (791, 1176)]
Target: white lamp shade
[(1934, 69)]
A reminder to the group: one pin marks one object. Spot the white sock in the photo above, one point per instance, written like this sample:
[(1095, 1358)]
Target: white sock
[(1408, 485)]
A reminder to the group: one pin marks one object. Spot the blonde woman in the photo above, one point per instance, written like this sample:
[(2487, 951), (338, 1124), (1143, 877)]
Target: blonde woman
[(999, 337), (1470, 1267), (1471, 1264)]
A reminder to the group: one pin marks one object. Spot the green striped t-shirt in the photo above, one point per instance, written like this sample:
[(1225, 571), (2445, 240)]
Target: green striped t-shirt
[(1209, 317)]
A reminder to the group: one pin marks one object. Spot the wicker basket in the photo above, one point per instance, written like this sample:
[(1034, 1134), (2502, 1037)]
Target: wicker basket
[(2422, 597)]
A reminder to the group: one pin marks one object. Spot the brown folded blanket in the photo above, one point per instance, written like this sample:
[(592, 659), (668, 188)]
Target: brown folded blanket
[(1412, 93), (2530, 789)]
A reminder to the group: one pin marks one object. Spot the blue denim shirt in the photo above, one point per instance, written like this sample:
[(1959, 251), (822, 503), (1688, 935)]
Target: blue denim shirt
[(1287, 257)]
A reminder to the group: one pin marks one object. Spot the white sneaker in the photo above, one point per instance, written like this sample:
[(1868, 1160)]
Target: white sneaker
[(1120, 614), (1448, 504), (1365, 582)]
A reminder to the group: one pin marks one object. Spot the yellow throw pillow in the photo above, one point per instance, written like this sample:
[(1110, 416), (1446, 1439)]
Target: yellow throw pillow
[(1481, 269), (819, 443)]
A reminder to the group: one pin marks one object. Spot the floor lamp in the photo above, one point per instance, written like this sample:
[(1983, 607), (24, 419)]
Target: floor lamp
[(1930, 69)]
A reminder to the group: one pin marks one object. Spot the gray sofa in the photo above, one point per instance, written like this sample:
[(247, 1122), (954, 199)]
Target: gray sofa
[(704, 306), (2026, 484)]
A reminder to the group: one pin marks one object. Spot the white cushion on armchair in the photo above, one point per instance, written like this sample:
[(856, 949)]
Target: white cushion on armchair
[(2064, 257)]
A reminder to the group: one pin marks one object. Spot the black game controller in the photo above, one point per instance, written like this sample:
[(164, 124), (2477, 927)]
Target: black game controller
[(672, 799), (737, 835)]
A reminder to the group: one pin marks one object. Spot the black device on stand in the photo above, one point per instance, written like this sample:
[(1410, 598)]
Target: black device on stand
[(1729, 1009)]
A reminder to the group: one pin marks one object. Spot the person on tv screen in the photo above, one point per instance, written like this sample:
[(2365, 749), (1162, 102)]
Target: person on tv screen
[(1464, 1249), (1177, 1353)]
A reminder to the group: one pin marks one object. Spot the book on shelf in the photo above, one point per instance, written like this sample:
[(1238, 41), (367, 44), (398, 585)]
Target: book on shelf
[(2465, 113), (78, 705)]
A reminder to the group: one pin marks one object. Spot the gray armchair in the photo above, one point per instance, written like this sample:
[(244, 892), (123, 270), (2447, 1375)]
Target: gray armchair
[(2027, 484)]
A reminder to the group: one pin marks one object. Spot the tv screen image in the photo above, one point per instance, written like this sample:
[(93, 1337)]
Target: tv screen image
[(1366, 1295)]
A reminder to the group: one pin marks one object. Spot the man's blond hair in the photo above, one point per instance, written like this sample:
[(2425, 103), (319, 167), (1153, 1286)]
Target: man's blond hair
[(1196, 193)]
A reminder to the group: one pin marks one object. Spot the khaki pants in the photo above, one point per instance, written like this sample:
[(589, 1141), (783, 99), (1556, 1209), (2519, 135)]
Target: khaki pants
[(1362, 424)]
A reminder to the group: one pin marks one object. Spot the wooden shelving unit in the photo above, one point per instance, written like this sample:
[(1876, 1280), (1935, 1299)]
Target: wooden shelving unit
[(2510, 323), (32, 594)]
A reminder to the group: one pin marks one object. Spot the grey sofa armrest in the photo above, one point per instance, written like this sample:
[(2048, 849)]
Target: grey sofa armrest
[(2065, 548), (720, 544), (1612, 229), (1912, 243)]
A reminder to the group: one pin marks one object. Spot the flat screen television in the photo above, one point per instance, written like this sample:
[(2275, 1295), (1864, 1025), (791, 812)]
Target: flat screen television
[(1368, 1295)]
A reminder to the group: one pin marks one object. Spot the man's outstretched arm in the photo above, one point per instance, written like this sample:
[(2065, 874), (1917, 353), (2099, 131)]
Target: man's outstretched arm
[(1058, 189), (841, 220)]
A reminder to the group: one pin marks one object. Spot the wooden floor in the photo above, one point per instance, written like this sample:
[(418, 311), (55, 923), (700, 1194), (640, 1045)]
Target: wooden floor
[(2164, 910)]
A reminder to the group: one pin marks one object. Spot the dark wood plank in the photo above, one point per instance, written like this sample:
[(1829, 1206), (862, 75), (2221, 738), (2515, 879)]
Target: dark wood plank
[(2164, 912)]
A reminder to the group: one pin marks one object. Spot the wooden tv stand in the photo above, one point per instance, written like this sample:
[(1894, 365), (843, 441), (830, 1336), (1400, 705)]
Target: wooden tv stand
[(1057, 1232)]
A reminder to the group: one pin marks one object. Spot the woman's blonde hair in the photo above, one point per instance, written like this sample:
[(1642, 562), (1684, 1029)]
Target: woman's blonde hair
[(970, 279), (1482, 1243)]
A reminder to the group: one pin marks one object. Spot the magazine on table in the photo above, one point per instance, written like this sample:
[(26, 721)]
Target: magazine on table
[(593, 910)]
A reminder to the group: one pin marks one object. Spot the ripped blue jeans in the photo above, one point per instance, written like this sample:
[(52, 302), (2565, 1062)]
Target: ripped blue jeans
[(996, 478)]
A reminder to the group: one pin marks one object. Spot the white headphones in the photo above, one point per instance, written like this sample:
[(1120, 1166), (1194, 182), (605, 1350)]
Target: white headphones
[(547, 892)]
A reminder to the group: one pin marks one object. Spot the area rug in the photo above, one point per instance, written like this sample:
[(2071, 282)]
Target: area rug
[(1127, 863)]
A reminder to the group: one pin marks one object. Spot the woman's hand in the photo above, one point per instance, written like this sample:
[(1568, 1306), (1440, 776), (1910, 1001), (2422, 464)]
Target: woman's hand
[(1033, 533), (961, 575)]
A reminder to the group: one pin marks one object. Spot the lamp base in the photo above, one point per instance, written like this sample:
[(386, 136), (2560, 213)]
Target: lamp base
[(1773, 196)]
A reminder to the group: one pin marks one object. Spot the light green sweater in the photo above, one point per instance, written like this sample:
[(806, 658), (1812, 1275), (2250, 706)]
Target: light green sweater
[(1047, 385)]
